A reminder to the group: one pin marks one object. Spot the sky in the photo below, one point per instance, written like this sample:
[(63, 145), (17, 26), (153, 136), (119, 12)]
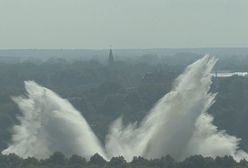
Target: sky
[(97, 24)]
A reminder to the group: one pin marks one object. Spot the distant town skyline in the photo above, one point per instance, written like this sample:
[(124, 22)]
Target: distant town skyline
[(92, 24)]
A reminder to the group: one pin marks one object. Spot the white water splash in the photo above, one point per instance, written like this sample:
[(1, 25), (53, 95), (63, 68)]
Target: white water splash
[(177, 125), (49, 124), (208, 141)]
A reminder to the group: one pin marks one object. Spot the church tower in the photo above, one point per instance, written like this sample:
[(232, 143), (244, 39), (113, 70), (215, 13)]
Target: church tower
[(111, 57)]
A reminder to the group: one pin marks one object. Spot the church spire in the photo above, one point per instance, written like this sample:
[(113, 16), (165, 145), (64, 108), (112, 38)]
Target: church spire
[(111, 57)]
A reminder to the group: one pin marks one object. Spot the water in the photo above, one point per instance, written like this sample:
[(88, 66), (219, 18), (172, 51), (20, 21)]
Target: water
[(49, 123), (229, 74), (178, 124)]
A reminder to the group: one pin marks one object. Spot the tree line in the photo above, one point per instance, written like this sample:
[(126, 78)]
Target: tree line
[(59, 160)]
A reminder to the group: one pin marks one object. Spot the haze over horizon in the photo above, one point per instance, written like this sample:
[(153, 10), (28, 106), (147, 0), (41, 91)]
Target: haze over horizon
[(124, 24)]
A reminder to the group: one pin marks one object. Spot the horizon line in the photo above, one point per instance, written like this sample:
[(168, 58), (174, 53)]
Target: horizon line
[(152, 48)]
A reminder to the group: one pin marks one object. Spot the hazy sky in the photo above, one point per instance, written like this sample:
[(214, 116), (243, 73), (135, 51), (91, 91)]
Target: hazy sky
[(123, 23)]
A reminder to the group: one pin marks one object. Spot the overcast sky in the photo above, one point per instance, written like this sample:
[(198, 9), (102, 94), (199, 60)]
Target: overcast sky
[(123, 23)]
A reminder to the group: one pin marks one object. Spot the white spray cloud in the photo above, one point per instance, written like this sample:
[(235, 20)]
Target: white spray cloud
[(48, 124), (208, 141), (171, 123), (177, 125)]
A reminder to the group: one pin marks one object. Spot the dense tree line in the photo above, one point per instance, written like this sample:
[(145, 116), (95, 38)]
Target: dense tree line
[(58, 160)]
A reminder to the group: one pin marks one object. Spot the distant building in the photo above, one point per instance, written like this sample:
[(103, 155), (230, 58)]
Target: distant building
[(111, 57)]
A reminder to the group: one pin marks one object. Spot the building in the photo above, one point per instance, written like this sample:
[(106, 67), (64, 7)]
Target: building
[(111, 57)]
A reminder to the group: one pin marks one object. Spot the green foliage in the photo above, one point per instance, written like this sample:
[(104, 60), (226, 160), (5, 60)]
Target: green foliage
[(97, 160), (58, 160)]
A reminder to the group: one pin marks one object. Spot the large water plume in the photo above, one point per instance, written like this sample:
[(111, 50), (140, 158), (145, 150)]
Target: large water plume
[(177, 125), (49, 123)]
